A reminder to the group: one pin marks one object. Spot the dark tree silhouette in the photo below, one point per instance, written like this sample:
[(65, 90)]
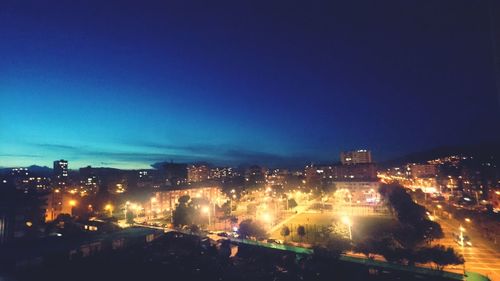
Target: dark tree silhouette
[(441, 256), (301, 231), (250, 229), (333, 248), (285, 231)]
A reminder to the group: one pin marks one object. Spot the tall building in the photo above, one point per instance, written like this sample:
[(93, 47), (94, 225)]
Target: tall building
[(361, 156), (198, 173), (175, 173), (222, 173), (60, 172), (89, 179), (255, 175), (316, 175), (21, 213)]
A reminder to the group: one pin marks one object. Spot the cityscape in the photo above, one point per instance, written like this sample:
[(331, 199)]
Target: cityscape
[(250, 141)]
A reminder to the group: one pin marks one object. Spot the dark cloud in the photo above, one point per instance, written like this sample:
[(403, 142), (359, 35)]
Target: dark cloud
[(189, 153), (56, 146)]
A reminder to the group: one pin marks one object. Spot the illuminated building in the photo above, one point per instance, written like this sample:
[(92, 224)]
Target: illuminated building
[(221, 173), (21, 213), (166, 200), (356, 157), (175, 174), (198, 173), (325, 174), (423, 170), (277, 177), (89, 179), (58, 203), (255, 175), (60, 172)]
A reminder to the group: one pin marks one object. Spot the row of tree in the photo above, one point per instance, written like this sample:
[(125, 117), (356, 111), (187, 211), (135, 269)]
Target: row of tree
[(409, 241)]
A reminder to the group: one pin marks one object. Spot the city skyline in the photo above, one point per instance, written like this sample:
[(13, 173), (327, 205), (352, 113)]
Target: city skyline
[(127, 88)]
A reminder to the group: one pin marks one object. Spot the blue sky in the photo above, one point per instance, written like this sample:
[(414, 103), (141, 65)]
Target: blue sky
[(126, 85)]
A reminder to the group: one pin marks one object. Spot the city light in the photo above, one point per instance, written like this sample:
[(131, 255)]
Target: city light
[(347, 221), (206, 210), (109, 208), (267, 217)]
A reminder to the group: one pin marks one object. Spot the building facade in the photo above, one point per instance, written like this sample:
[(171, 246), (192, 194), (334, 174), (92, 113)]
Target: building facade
[(60, 170), (361, 156)]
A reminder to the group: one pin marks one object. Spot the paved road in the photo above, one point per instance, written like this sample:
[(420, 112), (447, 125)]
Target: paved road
[(479, 258)]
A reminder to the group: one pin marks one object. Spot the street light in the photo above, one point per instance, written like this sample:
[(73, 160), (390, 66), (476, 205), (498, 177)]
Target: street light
[(267, 217), (206, 210), (72, 204), (347, 221), (109, 208)]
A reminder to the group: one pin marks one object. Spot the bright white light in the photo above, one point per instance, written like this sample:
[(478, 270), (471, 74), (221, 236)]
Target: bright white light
[(346, 220), (266, 217)]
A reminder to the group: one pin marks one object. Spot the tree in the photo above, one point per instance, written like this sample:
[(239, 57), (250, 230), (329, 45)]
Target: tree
[(367, 247), (441, 256), (431, 231), (129, 217), (226, 209), (285, 231), (334, 247), (292, 203), (419, 195), (184, 212), (340, 229), (301, 231), (324, 231), (250, 229)]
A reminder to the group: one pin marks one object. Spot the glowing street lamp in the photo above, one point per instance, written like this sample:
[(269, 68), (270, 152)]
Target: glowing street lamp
[(206, 210), (109, 208), (267, 217), (72, 204), (347, 221)]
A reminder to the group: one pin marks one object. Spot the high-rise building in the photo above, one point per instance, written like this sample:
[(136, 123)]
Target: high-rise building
[(361, 156), (255, 175), (60, 172), (175, 173), (198, 173), (222, 173)]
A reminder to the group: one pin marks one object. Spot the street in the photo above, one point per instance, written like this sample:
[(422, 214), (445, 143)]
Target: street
[(478, 258)]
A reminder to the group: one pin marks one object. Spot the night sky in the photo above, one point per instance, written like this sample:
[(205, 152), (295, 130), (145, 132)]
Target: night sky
[(278, 83)]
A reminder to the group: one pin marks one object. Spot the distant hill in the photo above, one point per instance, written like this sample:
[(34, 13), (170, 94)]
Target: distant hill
[(33, 169), (487, 151)]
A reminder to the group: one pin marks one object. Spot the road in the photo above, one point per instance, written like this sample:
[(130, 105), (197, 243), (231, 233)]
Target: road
[(478, 258)]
